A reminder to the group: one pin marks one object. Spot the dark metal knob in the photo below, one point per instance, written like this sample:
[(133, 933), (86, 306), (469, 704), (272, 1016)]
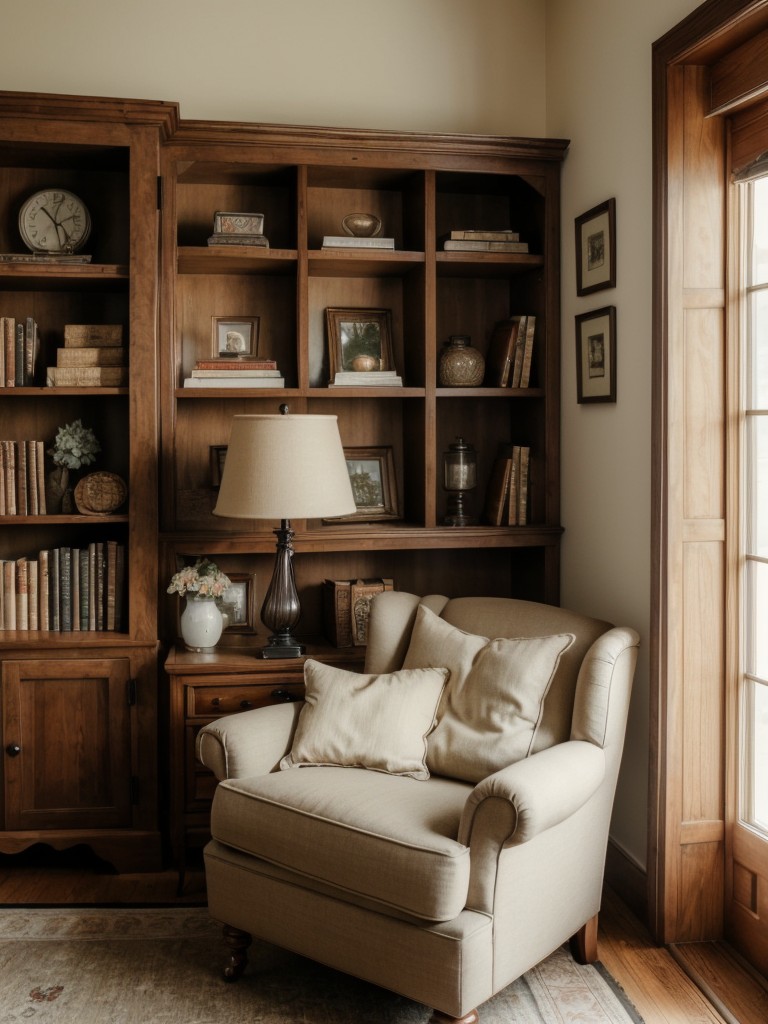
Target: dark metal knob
[(285, 696), (246, 704), (13, 750), (216, 701)]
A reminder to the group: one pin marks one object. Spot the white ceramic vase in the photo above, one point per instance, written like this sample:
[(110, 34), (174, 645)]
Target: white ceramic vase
[(201, 624)]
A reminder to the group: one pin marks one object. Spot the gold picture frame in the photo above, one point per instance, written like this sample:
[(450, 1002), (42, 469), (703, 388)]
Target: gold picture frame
[(234, 336), (374, 485), (358, 332)]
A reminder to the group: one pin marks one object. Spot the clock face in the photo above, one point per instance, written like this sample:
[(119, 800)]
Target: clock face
[(54, 221)]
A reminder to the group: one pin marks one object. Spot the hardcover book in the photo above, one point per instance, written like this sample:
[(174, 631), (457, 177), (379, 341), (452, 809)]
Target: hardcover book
[(346, 608), (92, 335)]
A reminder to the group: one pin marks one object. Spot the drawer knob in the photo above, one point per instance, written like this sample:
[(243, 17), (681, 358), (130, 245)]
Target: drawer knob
[(246, 704), (13, 750), (285, 696), (216, 701)]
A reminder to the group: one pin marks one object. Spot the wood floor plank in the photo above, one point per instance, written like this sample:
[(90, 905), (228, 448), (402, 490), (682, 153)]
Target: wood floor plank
[(727, 981)]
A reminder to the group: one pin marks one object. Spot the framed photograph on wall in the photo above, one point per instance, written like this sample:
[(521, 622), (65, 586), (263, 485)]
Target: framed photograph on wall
[(239, 603), (233, 336), (359, 336), (374, 486), (596, 249), (596, 355)]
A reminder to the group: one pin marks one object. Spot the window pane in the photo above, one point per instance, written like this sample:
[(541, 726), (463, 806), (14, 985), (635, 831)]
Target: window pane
[(760, 232), (756, 618), (756, 781), (757, 486), (758, 329)]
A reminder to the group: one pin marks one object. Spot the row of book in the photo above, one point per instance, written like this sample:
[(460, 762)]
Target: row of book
[(93, 356), (507, 497), (64, 589), (483, 240), (22, 478), (19, 352), (510, 353), (235, 373)]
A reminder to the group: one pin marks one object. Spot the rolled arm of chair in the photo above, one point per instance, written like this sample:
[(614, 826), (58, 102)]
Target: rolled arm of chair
[(250, 742), (525, 798)]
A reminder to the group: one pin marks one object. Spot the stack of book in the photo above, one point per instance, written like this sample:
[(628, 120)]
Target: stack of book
[(507, 498), (510, 352), (65, 589), (93, 356), (354, 242), (235, 373), (479, 240), (367, 379), (22, 478), (346, 609), (19, 352), (237, 228)]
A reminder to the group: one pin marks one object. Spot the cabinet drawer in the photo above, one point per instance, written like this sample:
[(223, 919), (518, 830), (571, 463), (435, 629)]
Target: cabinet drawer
[(213, 701)]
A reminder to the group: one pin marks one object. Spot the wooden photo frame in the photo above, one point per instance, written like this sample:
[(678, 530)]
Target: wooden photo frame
[(596, 249), (218, 456), (596, 355), (240, 598), (358, 332), (374, 485), (233, 336)]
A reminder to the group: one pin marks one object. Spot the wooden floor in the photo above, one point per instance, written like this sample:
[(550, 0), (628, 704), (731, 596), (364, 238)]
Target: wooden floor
[(657, 980)]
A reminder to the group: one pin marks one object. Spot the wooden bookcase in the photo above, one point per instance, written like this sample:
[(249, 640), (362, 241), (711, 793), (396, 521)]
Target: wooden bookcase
[(421, 186), (79, 718)]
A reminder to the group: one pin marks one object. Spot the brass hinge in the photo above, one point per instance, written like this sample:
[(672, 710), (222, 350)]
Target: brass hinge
[(132, 693)]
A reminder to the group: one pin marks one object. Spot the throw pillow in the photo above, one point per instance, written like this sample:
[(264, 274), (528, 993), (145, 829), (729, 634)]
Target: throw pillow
[(357, 720), (493, 703)]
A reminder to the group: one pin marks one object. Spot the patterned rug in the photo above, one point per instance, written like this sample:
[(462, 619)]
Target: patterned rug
[(163, 966)]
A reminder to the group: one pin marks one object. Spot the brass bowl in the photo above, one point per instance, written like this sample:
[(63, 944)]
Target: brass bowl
[(361, 225)]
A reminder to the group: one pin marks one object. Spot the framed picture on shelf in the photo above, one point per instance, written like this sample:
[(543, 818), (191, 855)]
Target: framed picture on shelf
[(374, 486), (239, 603), (218, 455), (596, 355), (234, 336), (359, 334), (596, 249)]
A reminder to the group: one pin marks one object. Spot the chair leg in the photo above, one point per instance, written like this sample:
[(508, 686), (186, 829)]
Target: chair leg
[(438, 1017), (238, 943), (584, 943)]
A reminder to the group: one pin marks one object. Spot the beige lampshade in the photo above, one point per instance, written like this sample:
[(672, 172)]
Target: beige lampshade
[(284, 467)]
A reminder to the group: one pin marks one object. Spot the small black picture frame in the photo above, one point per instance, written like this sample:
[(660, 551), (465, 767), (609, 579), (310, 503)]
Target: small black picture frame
[(596, 356), (596, 249)]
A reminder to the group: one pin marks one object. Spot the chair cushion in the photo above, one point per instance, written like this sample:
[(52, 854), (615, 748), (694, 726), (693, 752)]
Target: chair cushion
[(356, 720), (492, 706), (375, 837)]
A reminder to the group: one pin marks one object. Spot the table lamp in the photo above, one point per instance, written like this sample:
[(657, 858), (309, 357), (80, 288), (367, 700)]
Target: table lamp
[(284, 467)]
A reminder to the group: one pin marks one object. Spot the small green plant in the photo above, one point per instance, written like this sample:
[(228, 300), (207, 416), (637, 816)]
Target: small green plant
[(203, 579), (74, 446)]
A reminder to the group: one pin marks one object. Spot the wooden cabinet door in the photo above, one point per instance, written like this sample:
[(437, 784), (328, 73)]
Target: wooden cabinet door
[(66, 743)]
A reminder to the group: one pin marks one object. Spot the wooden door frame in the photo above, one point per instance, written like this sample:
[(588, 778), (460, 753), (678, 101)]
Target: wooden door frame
[(686, 849)]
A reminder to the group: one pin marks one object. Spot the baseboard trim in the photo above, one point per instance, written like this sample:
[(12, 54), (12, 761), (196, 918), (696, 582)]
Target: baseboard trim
[(627, 879)]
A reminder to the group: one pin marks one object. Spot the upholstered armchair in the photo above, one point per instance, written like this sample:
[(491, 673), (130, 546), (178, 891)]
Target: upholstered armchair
[(436, 825)]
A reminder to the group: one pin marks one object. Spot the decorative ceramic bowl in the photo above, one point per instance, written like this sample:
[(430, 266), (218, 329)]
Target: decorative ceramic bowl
[(364, 364), (361, 225)]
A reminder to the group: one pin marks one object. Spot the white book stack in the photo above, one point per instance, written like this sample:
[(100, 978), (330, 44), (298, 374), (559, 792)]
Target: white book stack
[(371, 379)]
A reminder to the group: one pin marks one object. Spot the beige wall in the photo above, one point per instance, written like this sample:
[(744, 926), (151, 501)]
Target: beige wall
[(416, 65), (578, 70), (599, 96)]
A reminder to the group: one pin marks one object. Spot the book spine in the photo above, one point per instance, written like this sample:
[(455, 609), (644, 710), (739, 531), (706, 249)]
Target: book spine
[(2, 351), (3, 510), (9, 343), (33, 576), (110, 588), (9, 602), (235, 364), (100, 584), (9, 458), (522, 504), (525, 372), (18, 370), (40, 445), (517, 365), (92, 586), (479, 234), (75, 602), (65, 589), (22, 479), (84, 588), (362, 593), (33, 494), (119, 586), (90, 357), (53, 589), (31, 350), (338, 621), (86, 376), (92, 335), (45, 594), (22, 594), (514, 486)]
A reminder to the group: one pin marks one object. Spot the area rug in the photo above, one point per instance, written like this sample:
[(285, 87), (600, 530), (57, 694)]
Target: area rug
[(163, 966)]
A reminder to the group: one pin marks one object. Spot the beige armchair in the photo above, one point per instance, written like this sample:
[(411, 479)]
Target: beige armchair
[(444, 889)]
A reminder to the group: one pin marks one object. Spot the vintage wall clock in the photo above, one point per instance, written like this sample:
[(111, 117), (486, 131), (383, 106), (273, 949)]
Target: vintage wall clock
[(54, 220)]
